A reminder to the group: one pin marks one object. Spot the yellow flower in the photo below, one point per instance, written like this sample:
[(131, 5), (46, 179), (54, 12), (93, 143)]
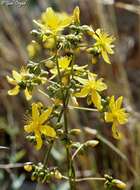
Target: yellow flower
[(54, 21), (37, 126), (116, 115), (93, 88), (63, 63), (18, 79), (104, 44)]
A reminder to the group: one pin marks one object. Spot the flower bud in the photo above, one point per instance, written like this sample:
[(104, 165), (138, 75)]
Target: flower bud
[(75, 131), (49, 43), (57, 174), (60, 132), (91, 143), (41, 174), (28, 167), (118, 183), (50, 64), (33, 48), (76, 15)]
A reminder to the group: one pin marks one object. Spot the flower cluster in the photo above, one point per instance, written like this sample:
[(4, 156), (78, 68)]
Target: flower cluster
[(25, 80), (65, 81)]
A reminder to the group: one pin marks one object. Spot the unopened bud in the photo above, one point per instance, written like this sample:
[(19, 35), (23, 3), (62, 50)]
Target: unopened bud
[(91, 143), (57, 174), (118, 183), (60, 132), (41, 174), (76, 15), (75, 131), (50, 64), (28, 167), (90, 50), (91, 131)]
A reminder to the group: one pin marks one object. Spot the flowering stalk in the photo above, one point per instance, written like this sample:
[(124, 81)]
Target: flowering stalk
[(65, 109), (62, 38)]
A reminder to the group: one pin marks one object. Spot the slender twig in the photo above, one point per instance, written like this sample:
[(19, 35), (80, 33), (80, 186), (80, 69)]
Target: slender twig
[(83, 108), (86, 179), (4, 148), (16, 165), (42, 92), (48, 153), (76, 152)]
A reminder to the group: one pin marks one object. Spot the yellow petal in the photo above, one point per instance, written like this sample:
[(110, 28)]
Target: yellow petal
[(48, 131), (64, 20), (109, 49), (105, 56), (108, 117), (116, 134), (83, 93), (100, 86), (38, 140), (81, 80), (112, 103), (92, 76), (55, 21), (28, 95), (45, 115), (96, 99), (64, 62), (122, 117), (35, 112), (50, 18), (14, 91), (16, 76), (98, 31), (119, 102), (11, 80), (28, 128)]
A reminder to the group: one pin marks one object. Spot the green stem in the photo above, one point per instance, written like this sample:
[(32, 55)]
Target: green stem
[(64, 112), (71, 172), (65, 98), (48, 153)]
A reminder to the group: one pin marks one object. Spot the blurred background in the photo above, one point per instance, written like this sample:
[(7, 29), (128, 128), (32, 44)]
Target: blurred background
[(121, 159)]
